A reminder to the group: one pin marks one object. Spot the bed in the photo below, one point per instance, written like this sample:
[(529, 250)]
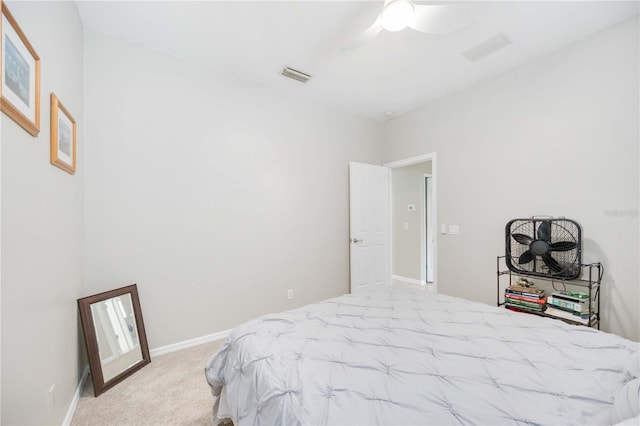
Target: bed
[(404, 356)]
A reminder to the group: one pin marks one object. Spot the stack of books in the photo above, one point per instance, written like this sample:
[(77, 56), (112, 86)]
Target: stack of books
[(573, 306), (525, 299)]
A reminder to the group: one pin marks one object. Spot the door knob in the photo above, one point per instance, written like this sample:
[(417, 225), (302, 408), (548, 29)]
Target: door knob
[(355, 240)]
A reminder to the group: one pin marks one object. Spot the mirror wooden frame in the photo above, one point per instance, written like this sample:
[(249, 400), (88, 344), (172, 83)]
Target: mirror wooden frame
[(89, 331)]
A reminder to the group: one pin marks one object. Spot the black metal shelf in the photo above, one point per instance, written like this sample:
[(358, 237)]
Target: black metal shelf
[(593, 279)]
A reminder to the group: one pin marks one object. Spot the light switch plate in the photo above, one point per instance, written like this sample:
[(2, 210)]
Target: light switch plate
[(443, 228), (454, 230)]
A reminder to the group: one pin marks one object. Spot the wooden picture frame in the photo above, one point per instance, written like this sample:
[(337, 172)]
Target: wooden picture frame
[(1, 7), (20, 75), (104, 352), (63, 137)]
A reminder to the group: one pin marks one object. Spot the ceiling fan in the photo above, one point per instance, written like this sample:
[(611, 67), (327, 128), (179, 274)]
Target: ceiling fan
[(397, 15)]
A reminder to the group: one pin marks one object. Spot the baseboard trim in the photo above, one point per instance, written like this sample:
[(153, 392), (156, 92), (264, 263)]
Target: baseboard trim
[(76, 397), (189, 343), (153, 352), (408, 280)]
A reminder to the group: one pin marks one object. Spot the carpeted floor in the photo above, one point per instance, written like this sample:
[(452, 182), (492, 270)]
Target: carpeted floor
[(172, 390)]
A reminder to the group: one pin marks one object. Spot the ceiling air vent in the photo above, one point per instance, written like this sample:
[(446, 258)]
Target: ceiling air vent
[(487, 47), (295, 74)]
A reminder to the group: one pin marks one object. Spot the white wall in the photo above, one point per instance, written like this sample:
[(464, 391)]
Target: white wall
[(557, 136), (214, 195), (42, 231), (407, 187)]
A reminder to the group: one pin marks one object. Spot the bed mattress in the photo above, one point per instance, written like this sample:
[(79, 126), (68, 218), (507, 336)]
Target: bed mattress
[(404, 356)]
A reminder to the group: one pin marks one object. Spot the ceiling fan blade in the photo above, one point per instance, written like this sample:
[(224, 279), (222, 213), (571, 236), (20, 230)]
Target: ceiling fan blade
[(551, 263), (441, 18), (544, 231), (365, 36), (362, 26), (563, 246), (526, 257), (522, 239)]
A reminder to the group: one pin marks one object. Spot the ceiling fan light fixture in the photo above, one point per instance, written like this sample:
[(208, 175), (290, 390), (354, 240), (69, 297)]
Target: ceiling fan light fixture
[(397, 15)]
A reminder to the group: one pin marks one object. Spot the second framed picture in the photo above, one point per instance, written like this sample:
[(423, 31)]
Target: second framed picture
[(63, 137)]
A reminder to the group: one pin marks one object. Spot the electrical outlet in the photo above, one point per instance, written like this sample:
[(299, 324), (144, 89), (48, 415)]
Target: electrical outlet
[(51, 391), (290, 294)]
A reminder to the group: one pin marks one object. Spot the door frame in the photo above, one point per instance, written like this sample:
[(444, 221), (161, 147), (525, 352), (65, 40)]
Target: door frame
[(427, 231), (434, 213)]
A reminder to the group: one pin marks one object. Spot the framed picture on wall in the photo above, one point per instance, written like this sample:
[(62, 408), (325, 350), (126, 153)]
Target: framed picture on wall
[(20, 76), (63, 137)]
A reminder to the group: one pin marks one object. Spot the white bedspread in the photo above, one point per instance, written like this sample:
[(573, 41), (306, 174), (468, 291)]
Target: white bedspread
[(403, 356)]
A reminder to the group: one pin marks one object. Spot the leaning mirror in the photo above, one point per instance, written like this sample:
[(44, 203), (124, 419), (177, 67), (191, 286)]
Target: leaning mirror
[(114, 335)]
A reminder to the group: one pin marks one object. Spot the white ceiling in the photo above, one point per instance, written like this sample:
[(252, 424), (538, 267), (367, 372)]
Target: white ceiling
[(393, 72)]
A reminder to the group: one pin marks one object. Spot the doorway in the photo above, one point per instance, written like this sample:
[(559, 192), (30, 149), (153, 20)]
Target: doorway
[(413, 220)]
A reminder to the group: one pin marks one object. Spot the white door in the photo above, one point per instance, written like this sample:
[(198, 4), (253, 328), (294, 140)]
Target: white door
[(369, 225)]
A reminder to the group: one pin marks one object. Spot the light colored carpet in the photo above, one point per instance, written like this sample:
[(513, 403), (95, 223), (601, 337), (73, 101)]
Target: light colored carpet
[(172, 390)]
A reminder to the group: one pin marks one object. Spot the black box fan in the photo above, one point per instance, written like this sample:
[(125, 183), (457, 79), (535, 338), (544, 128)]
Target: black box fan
[(549, 248)]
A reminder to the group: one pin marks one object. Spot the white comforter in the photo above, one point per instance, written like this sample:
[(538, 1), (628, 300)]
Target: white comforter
[(403, 356)]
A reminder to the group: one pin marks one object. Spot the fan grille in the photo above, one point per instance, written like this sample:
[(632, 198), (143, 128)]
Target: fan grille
[(561, 230)]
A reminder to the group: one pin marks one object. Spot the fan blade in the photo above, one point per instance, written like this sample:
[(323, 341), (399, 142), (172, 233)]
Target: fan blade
[(526, 257), (364, 37), (563, 246), (522, 239), (551, 263), (544, 231), (362, 26), (441, 18)]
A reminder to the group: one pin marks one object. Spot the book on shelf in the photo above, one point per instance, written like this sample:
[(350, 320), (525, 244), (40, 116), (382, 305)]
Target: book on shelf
[(579, 307), (518, 308), (561, 313), (526, 303), (571, 296), (534, 308), (539, 301), (525, 291), (578, 314)]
